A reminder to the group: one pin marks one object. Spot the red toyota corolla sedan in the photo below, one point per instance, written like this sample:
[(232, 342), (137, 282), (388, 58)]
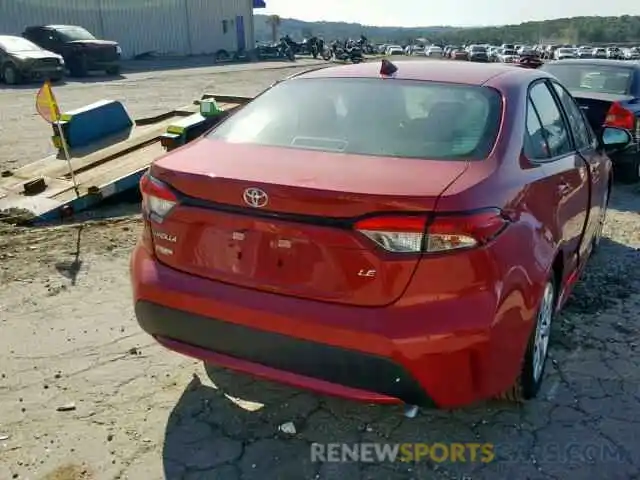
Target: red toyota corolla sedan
[(403, 234)]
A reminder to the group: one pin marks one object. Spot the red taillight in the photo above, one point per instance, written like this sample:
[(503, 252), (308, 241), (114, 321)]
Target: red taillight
[(420, 234), (620, 117), (157, 198), (454, 232)]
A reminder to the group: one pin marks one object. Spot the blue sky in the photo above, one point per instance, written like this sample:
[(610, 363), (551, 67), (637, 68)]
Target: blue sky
[(448, 12)]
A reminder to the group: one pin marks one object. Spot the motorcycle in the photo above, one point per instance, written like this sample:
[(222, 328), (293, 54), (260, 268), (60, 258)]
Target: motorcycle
[(311, 47), (275, 50), (286, 51), (351, 54)]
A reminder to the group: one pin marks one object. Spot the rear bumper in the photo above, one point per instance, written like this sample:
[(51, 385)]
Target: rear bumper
[(444, 352), (247, 349)]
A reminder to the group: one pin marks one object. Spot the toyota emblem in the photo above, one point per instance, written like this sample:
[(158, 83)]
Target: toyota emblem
[(254, 197)]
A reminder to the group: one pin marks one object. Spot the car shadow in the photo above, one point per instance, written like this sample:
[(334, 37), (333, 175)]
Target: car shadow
[(229, 425), (610, 278), (153, 64), (625, 198), (34, 85), (96, 77)]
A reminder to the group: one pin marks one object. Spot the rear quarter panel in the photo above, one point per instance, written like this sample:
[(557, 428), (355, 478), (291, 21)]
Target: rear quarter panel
[(524, 254)]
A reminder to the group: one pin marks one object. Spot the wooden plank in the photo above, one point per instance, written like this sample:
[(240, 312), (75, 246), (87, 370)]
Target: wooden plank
[(37, 204), (113, 170), (56, 167)]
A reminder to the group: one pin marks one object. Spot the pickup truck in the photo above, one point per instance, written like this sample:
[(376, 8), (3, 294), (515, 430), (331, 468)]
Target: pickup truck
[(81, 50)]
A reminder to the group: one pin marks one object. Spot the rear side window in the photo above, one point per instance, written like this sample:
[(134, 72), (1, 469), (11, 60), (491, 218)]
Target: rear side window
[(535, 141), (581, 133), (395, 118), (553, 126)]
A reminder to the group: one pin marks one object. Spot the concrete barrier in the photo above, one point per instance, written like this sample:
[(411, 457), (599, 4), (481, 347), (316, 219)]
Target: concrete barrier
[(94, 123)]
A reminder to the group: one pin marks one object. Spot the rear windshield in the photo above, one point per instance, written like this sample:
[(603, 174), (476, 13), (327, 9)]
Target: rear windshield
[(395, 118), (591, 78)]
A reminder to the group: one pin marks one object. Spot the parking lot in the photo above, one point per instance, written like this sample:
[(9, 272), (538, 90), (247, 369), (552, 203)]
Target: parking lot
[(84, 394)]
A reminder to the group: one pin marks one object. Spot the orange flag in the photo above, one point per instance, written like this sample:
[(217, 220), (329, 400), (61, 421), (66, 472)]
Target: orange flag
[(46, 104)]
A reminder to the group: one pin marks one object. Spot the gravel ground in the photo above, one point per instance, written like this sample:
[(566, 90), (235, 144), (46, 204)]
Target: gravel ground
[(130, 409)]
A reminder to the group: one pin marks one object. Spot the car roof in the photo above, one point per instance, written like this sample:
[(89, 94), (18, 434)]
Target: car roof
[(469, 73), (51, 27), (599, 62)]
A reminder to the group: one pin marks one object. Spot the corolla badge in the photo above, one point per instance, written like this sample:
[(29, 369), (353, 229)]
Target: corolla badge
[(165, 236), (254, 197)]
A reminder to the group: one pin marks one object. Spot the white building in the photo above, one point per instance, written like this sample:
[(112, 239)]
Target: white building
[(165, 27)]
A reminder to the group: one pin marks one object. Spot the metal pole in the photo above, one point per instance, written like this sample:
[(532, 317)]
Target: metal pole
[(100, 8), (67, 156), (187, 17)]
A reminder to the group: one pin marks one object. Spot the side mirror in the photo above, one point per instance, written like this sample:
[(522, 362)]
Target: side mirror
[(614, 139)]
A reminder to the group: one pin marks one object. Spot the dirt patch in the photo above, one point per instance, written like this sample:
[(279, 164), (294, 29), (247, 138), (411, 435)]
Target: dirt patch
[(69, 472)]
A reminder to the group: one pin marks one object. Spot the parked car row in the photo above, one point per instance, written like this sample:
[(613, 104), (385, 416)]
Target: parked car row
[(586, 51), (49, 51)]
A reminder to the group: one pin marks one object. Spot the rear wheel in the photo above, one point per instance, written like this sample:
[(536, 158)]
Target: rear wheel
[(11, 75), (222, 56), (629, 171), (535, 358), (78, 67)]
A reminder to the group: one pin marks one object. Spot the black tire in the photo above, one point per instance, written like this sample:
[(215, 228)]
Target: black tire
[(222, 56), (527, 386), (628, 171), (78, 67), (113, 70), (11, 75)]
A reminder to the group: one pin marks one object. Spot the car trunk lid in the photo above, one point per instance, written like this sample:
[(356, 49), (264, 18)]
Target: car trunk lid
[(301, 242), (596, 105)]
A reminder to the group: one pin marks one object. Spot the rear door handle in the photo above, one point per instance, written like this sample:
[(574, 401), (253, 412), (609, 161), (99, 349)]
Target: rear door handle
[(564, 188)]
